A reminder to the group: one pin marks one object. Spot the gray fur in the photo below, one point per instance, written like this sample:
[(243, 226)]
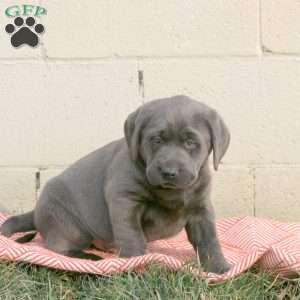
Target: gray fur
[(148, 186)]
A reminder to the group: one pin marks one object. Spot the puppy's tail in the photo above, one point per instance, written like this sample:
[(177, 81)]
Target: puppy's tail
[(21, 223)]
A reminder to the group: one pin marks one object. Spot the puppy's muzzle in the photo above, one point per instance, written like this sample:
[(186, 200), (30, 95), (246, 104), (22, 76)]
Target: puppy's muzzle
[(169, 173)]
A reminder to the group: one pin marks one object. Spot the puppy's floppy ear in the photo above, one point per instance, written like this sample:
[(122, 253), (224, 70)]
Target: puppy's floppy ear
[(132, 135), (220, 137)]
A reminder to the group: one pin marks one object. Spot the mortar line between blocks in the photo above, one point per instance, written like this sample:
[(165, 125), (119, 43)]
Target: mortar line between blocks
[(124, 58), (92, 60), (45, 167), (37, 184), (141, 83)]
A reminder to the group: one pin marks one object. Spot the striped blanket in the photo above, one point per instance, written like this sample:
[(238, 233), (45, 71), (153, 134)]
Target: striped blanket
[(273, 246)]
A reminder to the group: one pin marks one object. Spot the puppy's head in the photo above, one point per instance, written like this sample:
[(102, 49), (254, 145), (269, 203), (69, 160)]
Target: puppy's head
[(173, 137)]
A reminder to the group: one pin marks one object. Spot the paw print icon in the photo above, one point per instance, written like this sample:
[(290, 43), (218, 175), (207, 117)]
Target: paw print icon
[(24, 32)]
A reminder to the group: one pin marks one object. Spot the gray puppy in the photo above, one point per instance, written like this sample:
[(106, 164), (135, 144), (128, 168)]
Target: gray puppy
[(148, 186)]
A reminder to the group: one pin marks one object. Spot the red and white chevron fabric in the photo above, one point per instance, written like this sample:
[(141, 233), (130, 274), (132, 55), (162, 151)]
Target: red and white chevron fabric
[(272, 245)]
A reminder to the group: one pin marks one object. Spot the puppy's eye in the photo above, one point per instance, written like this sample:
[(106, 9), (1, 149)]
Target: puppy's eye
[(156, 140), (190, 144)]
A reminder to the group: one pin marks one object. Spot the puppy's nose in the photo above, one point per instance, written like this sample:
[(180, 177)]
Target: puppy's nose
[(169, 173)]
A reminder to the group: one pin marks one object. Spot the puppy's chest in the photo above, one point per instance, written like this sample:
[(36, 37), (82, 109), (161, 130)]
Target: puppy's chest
[(159, 222)]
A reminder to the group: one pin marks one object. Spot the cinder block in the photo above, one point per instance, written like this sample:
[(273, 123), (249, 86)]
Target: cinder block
[(17, 189), (278, 192), (232, 192), (281, 26), (55, 113), (258, 99), (6, 49), (150, 28)]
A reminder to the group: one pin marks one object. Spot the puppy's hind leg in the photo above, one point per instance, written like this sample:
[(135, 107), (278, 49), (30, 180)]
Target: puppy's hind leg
[(57, 242), (63, 233), (67, 248), (58, 224)]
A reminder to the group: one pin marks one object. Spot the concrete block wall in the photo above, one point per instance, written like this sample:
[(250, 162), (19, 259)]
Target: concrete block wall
[(99, 60)]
